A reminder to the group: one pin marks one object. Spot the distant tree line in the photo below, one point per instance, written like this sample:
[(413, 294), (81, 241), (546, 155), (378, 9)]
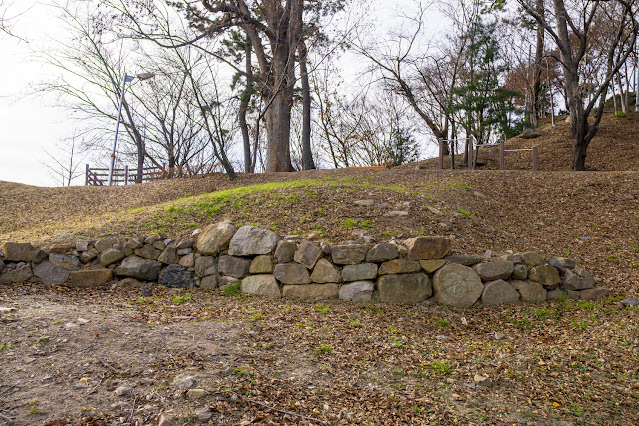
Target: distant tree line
[(256, 85)]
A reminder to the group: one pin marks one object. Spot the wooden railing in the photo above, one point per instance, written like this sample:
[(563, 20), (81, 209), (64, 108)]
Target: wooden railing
[(502, 151), (100, 177)]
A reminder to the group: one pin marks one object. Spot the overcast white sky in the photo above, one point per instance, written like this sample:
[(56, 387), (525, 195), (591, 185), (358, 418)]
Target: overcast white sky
[(29, 124)]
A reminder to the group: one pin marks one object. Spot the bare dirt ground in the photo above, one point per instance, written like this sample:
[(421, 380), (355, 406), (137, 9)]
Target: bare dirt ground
[(69, 354), (64, 352)]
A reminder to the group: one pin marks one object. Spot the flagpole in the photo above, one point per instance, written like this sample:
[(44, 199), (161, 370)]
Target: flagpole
[(117, 128)]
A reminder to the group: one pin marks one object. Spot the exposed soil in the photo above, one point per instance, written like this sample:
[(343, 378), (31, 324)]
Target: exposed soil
[(69, 351), (64, 352)]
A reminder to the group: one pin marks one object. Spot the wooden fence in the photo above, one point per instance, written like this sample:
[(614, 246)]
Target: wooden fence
[(502, 151), (100, 177)]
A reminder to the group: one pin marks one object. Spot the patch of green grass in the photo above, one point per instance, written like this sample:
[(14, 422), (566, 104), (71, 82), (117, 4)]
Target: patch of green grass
[(322, 308), (325, 349), (438, 367), (374, 309), (34, 407), (4, 346), (352, 223), (442, 322), (258, 316), (142, 300), (454, 184), (234, 289), (354, 323), (464, 212), (179, 299), (242, 373), (305, 325)]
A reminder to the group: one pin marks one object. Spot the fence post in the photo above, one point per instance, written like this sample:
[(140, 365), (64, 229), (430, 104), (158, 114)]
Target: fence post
[(469, 143), (86, 176), (501, 155), (534, 149), (441, 153), (126, 175)]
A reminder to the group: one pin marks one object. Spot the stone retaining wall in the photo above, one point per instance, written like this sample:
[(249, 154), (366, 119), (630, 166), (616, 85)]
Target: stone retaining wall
[(260, 262)]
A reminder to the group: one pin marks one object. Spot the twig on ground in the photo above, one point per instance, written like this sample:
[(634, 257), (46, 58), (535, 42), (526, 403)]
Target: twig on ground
[(6, 419), (322, 422), (95, 388), (107, 365)]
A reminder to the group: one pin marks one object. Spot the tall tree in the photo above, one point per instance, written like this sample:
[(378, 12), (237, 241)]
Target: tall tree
[(571, 31)]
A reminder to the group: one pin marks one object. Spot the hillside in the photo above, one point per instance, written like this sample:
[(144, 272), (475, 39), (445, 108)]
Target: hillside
[(72, 356), (614, 148)]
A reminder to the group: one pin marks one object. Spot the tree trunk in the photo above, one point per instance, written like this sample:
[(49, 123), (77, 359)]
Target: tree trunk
[(536, 83), (278, 130), (307, 153), (244, 103)]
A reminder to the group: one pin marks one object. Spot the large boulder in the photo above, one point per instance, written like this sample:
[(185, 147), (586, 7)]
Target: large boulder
[(169, 256), (105, 244), (463, 259), (49, 273), (291, 273), (17, 252), (233, 266), (520, 272), (308, 254), (264, 285), (176, 276), (111, 256), (148, 251), (250, 240), (138, 268), (423, 248), (532, 259), (404, 288), (594, 293), (90, 277), (348, 254), (88, 256), (20, 274), (215, 238), (399, 266), (457, 285), (209, 282), (205, 266), (360, 272), (580, 279), (382, 252), (545, 275), (262, 264), (530, 291), (495, 270), (311, 291), (285, 251), (360, 291), (430, 266), (325, 272), (62, 248), (70, 263), (499, 292)]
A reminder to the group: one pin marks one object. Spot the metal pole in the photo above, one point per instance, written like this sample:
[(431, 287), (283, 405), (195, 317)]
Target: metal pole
[(86, 176), (441, 154), (117, 128), (470, 154), (534, 158), (501, 155), (126, 175)]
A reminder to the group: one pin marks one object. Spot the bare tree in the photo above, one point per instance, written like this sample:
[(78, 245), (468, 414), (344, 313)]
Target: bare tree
[(571, 28)]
